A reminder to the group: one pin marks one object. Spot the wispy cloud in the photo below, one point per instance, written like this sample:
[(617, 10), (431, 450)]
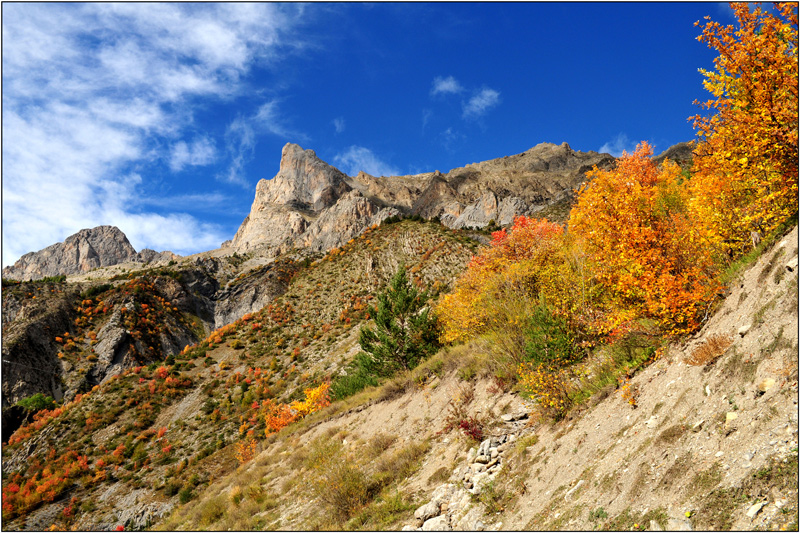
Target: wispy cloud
[(91, 92), (481, 102), (450, 138), (339, 124), (240, 141), (241, 138), (448, 85), (200, 152), (617, 145), (358, 158), (269, 119), (426, 116), (202, 201)]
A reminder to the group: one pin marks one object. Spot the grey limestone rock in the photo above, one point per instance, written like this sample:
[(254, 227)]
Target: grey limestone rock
[(81, 252), (437, 523), (311, 204)]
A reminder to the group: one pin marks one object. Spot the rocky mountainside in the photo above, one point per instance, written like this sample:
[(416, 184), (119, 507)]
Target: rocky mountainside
[(84, 251), (114, 349), (177, 304), (169, 377), (311, 205), (687, 444)]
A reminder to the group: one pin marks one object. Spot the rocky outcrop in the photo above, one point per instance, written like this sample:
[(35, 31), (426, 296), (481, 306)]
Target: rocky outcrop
[(252, 291), (341, 222), (680, 153), (312, 205), (84, 251), (286, 205), (151, 256), (30, 364), (81, 252)]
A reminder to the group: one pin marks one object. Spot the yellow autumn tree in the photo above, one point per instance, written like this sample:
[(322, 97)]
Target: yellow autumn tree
[(514, 262), (746, 163)]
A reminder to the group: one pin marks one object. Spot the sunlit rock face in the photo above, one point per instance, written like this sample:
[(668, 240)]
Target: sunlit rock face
[(311, 205), (81, 252)]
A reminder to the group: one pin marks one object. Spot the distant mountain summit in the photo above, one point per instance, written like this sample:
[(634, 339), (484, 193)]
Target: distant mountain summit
[(310, 204), (86, 250)]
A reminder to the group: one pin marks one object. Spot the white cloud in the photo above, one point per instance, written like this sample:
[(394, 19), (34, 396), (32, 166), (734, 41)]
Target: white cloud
[(617, 145), (92, 90), (448, 85), (268, 119), (200, 153), (338, 124), (358, 158), (240, 139), (481, 102)]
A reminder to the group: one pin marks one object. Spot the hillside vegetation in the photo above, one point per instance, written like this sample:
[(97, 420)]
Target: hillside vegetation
[(635, 370), (171, 423)]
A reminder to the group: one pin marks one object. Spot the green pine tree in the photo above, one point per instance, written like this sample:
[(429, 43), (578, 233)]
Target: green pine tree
[(405, 333)]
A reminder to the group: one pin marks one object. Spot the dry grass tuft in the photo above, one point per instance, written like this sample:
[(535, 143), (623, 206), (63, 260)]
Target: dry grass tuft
[(709, 351)]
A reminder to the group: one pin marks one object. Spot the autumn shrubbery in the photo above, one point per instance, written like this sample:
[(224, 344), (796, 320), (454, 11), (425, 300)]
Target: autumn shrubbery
[(744, 179), (647, 244), (709, 351), (346, 483), (643, 243)]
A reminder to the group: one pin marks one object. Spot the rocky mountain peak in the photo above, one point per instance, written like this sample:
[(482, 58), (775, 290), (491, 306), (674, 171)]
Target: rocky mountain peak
[(310, 204), (81, 252), (304, 181)]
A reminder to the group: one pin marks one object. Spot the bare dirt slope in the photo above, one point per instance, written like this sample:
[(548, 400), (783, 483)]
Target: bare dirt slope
[(705, 446)]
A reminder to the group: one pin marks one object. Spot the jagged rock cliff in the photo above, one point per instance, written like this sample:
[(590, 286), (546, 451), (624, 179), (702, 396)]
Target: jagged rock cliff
[(310, 204), (86, 250)]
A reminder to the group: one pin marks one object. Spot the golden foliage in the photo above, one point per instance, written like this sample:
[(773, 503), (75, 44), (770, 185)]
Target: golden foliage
[(746, 164), (644, 244)]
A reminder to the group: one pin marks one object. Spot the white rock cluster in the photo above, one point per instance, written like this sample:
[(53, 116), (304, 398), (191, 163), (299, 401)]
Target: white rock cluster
[(452, 506)]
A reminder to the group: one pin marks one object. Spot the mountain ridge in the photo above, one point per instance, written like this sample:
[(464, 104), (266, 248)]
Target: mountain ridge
[(311, 205), (320, 207)]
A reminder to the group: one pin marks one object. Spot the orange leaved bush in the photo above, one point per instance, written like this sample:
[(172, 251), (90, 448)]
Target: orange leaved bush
[(278, 415), (644, 244), (746, 165)]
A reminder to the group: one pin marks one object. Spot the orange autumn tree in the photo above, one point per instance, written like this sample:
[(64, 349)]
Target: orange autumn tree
[(530, 294), (643, 244), (746, 164)]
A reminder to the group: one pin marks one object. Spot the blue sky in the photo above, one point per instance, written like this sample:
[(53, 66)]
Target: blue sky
[(161, 118)]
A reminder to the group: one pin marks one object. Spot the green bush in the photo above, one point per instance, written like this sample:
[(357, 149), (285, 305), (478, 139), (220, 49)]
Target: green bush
[(185, 495), (351, 383), (335, 481), (548, 338), (37, 402), (171, 488), (97, 289)]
